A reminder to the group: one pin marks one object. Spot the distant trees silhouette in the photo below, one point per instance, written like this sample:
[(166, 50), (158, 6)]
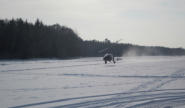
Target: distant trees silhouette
[(21, 40)]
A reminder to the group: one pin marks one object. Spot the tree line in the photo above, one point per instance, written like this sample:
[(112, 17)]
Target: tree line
[(20, 39)]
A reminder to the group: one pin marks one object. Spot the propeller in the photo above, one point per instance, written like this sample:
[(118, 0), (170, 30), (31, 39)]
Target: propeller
[(105, 49)]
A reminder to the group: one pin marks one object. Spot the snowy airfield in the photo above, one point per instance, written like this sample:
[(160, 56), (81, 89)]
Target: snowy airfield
[(133, 82)]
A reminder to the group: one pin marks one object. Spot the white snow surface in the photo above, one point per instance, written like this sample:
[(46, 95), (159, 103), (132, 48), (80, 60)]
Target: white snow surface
[(133, 82)]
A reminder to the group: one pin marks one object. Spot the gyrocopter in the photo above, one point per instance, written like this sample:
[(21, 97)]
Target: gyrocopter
[(108, 57)]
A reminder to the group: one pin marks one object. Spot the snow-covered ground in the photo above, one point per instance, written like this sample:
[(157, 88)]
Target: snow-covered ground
[(133, 82)]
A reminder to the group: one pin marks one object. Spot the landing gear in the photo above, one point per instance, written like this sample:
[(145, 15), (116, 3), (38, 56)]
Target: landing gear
[(114, 62)]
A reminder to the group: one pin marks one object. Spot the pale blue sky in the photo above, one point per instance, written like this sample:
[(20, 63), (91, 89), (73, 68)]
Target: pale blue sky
[(143, 22)]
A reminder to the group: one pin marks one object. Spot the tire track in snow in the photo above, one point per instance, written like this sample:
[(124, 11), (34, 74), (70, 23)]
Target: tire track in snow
[(125, 76), (127, 98), (107, 99), (134, 98), (54, 67), (157, 83)]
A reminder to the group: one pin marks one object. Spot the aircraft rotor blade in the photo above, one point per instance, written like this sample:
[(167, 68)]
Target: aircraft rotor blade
[(105, 49)]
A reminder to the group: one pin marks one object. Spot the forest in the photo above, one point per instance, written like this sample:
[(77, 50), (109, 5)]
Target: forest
[(21, 39)]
